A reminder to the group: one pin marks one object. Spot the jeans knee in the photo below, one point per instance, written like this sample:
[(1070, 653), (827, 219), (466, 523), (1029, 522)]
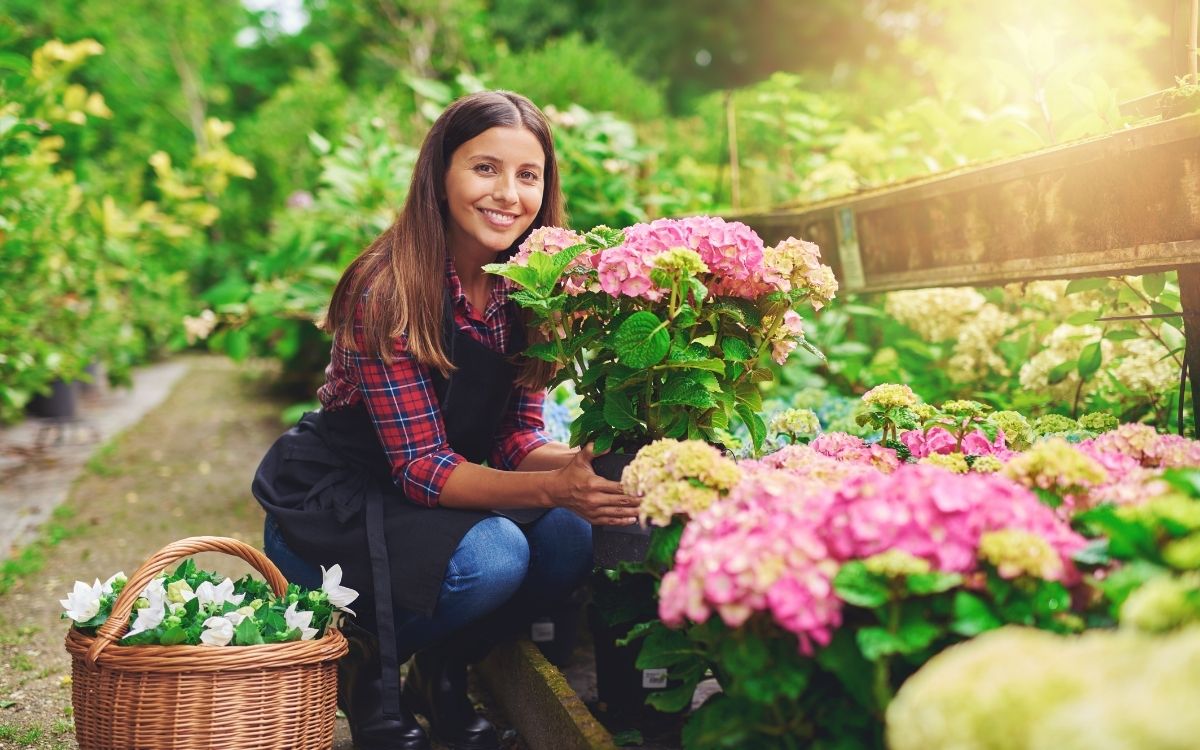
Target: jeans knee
[(493, 558)]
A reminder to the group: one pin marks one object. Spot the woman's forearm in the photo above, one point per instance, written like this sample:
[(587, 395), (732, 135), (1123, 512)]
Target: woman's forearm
[(548, 457), (482, 488)]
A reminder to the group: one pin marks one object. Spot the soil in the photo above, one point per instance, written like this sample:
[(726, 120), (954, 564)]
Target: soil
[(182, 470)]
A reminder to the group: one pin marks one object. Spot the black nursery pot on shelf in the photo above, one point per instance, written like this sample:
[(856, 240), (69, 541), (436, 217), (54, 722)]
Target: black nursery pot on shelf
[(615, 544), (61, 403)]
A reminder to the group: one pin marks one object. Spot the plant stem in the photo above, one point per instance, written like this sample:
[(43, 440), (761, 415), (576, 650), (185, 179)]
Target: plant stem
[(1147, 326)]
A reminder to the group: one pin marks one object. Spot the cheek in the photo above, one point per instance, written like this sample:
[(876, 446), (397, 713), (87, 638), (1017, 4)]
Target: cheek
[(531, 198)]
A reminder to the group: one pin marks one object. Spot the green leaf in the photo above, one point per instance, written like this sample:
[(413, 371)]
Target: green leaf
[(711, 365), (761, 375), (844, 659), (1122, 334), (1089, 360), (1153, 284), (174, 635), (856, 585), (1060, 372), (735, 349), (1095, 552), (523, 275), (642, 340), (664, 543), (247, 633), (546, 351), (1085, 285), (935, 582), (875, 642), (972, 615), (674, 699), (916, 633), (618, 410), (1083, 318), (664, 647), (686, 392), (754, 423), (563, 258), (603, 442)]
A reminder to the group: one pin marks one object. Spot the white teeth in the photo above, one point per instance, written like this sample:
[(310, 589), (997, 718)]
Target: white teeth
[(498, 218)]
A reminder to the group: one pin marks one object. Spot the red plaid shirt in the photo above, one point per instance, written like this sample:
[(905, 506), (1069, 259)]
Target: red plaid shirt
[(402, 403)]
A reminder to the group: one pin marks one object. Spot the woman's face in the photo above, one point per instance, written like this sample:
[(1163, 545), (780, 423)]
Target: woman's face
[(494, 185)]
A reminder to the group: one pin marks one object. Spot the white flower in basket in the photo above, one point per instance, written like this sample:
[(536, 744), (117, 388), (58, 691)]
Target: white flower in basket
[(339, 596), (218, 631)]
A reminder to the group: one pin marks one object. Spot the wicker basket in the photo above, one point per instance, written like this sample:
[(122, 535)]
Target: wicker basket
[(281, 695)]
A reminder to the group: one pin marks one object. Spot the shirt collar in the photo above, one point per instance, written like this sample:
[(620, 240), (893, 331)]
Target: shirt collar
[(501, 289)]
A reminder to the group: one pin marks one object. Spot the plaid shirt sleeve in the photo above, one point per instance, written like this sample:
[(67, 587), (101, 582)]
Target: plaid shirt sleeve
[(521, 431), (402, 404)]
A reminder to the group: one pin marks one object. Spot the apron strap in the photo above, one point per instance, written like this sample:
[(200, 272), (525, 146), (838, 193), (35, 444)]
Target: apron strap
[(385, 622)]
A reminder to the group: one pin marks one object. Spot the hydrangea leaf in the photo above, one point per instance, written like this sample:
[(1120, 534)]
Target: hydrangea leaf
[(618, 411), (736, 349), (856, 585), (972, 615), (642, 340)]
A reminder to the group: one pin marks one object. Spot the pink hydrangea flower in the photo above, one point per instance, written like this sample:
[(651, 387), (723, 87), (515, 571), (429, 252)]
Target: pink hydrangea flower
[(776, 543), (921, 444), (978, 444), (624, 271)]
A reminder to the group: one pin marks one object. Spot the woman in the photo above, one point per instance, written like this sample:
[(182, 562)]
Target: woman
[(422, 388)]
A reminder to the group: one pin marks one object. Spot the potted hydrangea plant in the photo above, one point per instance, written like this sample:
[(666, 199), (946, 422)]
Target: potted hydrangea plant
[(661, 327)]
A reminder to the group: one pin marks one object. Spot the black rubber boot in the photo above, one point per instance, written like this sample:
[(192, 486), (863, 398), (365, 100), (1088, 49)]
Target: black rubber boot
[(437, 687), (360, 696)]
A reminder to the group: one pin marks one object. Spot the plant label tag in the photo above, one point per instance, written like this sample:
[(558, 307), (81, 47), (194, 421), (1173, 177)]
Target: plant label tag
[(654, 679), (541, 631)]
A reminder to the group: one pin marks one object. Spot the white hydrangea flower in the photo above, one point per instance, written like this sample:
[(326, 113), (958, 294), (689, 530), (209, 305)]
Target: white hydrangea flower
[(339, 596)]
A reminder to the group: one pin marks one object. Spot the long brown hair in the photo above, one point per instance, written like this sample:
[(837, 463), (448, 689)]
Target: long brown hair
[(404, 268)]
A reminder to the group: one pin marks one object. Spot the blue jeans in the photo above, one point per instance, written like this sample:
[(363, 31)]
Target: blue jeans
[(495, 563)]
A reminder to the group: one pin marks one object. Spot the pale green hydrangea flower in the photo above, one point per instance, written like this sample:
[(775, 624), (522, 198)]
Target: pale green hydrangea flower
[(1017, 553), (895, 563), (1163, 603), (890, 395), (955, 462), (1018, 433), (1099, 422), (796, 423), (680, 259)]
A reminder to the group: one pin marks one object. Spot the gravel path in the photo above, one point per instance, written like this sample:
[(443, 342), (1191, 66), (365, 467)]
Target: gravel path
[(183, 470)]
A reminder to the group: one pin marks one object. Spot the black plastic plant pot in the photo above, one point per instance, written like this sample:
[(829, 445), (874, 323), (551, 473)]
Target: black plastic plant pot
[(616, 544), (620, 685), (556, 632), (61, 403)]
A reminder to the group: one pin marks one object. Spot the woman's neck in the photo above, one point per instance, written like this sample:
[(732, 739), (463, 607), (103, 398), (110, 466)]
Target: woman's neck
[(476, 284)]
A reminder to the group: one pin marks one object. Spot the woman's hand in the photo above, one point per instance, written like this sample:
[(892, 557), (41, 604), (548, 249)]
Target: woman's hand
[(597, 500)]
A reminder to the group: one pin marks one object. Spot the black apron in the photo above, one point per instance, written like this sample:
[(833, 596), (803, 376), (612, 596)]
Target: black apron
[(327, 481)]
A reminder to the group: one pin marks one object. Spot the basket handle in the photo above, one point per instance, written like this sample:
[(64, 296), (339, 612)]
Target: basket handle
[(118, 621)]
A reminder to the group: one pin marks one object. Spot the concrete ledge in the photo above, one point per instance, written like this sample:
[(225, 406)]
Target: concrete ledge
[(536, 698)]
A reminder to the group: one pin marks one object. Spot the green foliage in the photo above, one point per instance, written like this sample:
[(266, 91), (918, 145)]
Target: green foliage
[(570, 71), (1071, 347)]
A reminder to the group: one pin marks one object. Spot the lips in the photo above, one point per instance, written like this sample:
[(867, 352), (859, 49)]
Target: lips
[(498, 219)]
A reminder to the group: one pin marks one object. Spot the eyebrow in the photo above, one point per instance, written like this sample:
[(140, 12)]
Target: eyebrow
[(489, 157)]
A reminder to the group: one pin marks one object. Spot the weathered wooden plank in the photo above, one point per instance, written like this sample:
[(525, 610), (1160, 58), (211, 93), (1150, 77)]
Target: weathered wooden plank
[(1124, 203)]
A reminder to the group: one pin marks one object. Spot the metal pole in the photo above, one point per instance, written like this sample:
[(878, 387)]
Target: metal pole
[(735, 190), (1189, 297)]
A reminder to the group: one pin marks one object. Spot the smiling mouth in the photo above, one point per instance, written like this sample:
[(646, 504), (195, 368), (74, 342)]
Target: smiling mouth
[(497, 218)]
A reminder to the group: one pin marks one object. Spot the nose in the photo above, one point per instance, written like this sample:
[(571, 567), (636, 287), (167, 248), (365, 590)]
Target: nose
[(504, 189)]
